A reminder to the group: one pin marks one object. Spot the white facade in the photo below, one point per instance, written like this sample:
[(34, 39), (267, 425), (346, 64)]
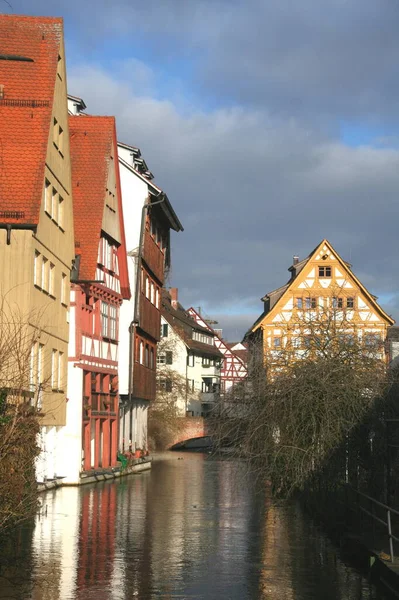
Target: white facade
[(135, 192), (201, 373)]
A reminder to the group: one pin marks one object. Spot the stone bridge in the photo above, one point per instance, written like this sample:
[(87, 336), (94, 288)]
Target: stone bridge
[(191, 428)]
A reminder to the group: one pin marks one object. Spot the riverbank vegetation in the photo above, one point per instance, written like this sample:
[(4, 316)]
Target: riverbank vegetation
[(19, 417), (312, 415)]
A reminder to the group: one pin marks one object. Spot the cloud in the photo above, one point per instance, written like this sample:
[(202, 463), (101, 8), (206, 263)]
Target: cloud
[(238, 109), (252, 190)]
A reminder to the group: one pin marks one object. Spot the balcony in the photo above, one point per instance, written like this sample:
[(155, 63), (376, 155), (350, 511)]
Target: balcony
[(143, 382), (154, 257), (208, 397), (150, 318)]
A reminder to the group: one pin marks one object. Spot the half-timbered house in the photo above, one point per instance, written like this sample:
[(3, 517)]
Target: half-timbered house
[(188, 353), (322, 295), (233, 366), (99, 285)]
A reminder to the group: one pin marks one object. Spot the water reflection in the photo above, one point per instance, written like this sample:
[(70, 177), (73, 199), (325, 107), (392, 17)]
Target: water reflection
[(192, 528)]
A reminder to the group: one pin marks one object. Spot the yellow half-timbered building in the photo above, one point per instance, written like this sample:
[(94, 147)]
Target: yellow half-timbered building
[(322, 295)]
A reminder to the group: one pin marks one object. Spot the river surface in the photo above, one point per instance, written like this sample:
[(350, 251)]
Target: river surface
[(191, 528)]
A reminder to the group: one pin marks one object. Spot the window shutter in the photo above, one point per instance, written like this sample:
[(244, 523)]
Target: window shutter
[(168, 385), (169, 358), (164, 332)]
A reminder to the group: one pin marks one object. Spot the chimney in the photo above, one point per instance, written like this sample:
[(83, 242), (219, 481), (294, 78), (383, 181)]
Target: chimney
[(173, 295), (295, 260)]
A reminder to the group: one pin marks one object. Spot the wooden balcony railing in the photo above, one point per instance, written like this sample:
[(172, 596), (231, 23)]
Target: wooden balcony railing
[(143, 382), (150, 318), (154, 257)]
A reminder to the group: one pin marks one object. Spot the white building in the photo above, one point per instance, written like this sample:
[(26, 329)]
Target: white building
[(189, 350)]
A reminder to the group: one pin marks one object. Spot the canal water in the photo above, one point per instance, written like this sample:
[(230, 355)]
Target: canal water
[(192, 528)]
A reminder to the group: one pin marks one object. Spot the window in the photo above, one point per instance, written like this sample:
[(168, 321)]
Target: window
[(277, 342), (104, 319), (60, 140), (108, 320), (205, 361), (37, 270), (161, 359), (60, 383), (54, 367), (299, 303), (157, 297), (152, 358), (338, 302), (61, 212), (51, 276), (324, 271), (190, 360), (152, 298), (190, 385), (45, 274), (64, 288), (47, 197), (169, 358), (307, 342), (147, 355), (296, 342), (372, 340), (141, 352), (165, 384), (112, 322), (59, 67), (310, 303), (164, 330), (350, 303), (147, 288), (58, 136)]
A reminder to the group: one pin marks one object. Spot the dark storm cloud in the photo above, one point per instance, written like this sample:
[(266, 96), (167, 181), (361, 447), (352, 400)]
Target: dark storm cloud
[(263, 176)]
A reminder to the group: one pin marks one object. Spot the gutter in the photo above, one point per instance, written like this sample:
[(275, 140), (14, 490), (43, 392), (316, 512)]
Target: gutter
[(9, 226)]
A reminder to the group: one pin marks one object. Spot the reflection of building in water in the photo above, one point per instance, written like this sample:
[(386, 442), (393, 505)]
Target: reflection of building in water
[(55, 547), (275, 580), (176, 529), (131, 575), (96, 544)]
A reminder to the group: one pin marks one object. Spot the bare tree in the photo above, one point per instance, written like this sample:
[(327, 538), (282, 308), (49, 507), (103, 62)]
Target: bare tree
[(172, 394), (20, 400), (304, 396)]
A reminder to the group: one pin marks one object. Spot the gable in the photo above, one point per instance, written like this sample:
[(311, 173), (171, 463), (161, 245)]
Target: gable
[(323, 276), (96, 193)]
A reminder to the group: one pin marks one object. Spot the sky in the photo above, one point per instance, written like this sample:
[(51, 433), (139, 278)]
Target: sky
[(270, 124)]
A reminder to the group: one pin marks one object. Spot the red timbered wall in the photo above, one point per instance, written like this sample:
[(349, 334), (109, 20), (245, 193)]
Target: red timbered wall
[(233, 369), (96, 343)]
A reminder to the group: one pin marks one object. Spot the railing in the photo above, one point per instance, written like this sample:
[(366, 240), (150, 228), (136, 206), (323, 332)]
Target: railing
[(373, 505)]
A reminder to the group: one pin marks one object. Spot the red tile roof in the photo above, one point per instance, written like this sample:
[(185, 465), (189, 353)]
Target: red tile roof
[(25, 111), (91, 147)]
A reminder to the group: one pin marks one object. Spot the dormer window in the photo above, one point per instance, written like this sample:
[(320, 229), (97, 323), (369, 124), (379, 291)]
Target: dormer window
[(324, 271)]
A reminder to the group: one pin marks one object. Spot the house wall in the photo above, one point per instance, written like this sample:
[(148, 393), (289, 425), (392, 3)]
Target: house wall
[(193, 400), (134, 195)]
